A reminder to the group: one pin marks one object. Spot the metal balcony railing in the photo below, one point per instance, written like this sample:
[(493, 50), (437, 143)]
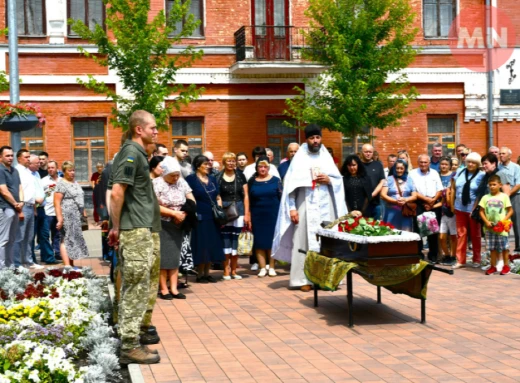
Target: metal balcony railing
[(270, 43)]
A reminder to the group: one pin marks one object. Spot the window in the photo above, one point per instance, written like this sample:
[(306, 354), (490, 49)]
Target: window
[(91, 12), (442, 130), (279, 137), (191, 130), (32, 140), (30, 17), (89, 146), (438, 16), (353, 145), (197, 10)]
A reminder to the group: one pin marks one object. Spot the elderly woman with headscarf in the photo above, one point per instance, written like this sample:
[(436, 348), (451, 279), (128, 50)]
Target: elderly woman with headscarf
[(464, 192), (265, 191), (206, 242), (172, 192), (397, 190)]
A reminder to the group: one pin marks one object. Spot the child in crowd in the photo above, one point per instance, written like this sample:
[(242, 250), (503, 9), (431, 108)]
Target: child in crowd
[(495, 209), (448, 227)]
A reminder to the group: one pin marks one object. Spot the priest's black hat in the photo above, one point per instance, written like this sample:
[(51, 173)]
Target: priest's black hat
[(312, 130)]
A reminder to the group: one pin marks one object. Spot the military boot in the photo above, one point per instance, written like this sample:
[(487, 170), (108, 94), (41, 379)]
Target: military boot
[(138, 355), (149, 350), (147, 338)]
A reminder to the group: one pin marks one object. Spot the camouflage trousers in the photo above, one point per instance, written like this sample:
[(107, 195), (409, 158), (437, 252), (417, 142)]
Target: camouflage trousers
[(154, 282), (136, 261)]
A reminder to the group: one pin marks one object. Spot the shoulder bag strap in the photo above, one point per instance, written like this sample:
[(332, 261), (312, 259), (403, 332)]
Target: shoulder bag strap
[(206, 190), (398, 187)]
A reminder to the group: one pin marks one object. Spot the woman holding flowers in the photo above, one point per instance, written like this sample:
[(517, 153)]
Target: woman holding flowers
[(69, 206), (398, 190)]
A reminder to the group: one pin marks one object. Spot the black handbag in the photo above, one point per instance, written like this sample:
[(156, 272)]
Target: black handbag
[(231, 210), (219, 215), (475, 214)]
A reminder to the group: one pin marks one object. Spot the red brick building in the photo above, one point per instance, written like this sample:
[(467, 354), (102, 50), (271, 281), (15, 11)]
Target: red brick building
[(248, 73)]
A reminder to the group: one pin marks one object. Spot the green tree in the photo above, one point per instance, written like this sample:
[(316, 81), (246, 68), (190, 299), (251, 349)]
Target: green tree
[(4, 82), (361, 43), (136, 48)]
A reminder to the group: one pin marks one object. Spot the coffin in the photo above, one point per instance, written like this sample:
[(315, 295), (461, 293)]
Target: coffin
[(388, 250)]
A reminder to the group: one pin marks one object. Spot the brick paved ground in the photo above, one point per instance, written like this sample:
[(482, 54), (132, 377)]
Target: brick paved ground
[(256, 330)]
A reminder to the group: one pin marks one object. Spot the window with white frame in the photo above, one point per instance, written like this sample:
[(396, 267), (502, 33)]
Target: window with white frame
[(438, 16), (197, 10), (91, 12)]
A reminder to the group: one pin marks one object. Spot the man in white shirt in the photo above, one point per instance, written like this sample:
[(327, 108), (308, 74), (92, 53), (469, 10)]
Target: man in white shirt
[(42, 223), (251, 169), (22, 248), (49, 186), (429, 190)]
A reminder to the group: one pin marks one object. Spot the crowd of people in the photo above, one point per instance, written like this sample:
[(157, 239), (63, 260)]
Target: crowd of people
[(165, 212)]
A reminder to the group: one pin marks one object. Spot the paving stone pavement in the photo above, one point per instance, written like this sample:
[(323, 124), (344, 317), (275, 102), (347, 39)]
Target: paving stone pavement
[(256, 330)]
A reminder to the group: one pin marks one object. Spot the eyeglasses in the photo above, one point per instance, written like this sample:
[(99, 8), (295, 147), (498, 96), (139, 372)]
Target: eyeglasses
[(463, 154)]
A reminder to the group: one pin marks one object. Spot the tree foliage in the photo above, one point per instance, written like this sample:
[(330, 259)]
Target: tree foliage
[(4, 82), (135, 47), (361, 43)]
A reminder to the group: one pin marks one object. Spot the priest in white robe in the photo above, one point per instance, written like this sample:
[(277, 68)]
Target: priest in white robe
[(313, 193)]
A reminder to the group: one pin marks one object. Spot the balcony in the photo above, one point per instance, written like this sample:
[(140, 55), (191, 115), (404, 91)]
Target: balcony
[(271, 50)]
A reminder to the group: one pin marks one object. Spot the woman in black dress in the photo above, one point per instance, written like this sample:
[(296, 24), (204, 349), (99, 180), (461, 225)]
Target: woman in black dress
[(233, 190), (357, 186), (206, 243)]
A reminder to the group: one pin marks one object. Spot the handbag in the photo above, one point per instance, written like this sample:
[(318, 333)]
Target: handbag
[(245, 243), (218, 213), (231, 210), (475, 214), (409, 209), (84, 220), (84, 223)]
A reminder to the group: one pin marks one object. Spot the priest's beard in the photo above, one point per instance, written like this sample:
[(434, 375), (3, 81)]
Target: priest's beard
[(315, 149)]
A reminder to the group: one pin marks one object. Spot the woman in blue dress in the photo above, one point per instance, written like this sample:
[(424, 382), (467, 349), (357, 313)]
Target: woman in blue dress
[(206, 243), (265, 192), (397, 190)]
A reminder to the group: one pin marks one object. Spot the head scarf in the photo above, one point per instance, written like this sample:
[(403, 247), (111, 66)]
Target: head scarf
[(393, 172), (170, 165)]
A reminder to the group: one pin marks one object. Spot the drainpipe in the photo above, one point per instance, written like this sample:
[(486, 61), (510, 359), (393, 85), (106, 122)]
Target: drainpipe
[(489, 42), (14, 85)]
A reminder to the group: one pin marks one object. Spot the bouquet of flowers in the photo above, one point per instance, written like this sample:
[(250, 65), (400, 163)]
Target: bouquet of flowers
[(22, 111), (367, 227), (502, 226), (428, 224)]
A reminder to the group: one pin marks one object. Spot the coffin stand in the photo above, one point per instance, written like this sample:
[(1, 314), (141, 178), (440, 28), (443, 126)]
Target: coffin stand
[(396, 250)]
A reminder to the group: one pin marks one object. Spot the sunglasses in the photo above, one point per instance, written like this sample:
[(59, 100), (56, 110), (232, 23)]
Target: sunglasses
[(463, 154)]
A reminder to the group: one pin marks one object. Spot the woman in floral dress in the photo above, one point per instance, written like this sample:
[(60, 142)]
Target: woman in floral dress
[(69, 205)]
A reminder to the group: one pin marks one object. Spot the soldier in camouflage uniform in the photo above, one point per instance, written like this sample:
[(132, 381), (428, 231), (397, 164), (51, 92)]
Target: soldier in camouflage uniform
[(132, 211)]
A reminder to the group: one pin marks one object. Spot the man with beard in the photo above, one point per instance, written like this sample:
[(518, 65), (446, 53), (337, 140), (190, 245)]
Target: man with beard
[(313, 193)]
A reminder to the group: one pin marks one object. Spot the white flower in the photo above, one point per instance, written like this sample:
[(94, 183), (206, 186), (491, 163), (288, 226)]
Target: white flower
[(34, 376)]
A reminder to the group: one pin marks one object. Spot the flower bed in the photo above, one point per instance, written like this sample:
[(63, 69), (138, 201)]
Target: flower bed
[(51, 321)]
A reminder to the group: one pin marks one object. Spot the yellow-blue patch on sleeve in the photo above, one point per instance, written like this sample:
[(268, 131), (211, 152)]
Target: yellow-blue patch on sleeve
[(130, 159)]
